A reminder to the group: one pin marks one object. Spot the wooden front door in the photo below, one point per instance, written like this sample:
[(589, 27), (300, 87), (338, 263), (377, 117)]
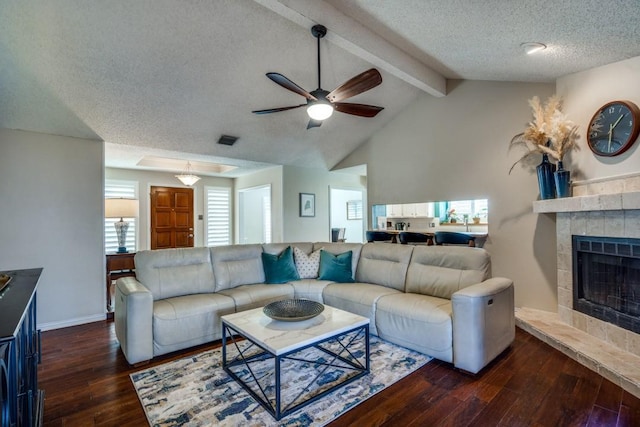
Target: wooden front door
[(171, 217)]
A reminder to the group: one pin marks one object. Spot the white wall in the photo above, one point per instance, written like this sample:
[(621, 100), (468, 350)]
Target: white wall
[(354, 229), (52, 207), (147, 179), (316, 181), (455, 148), (273, 177), (584, 93)]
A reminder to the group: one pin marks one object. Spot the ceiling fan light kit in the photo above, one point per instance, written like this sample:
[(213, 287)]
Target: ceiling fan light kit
[(321, 103), (318, 110)]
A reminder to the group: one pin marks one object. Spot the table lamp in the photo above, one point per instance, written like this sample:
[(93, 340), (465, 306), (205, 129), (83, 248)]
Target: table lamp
[(121, 208)]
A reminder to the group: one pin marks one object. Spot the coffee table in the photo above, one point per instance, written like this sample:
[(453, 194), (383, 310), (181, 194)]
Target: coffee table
[(257, 352)]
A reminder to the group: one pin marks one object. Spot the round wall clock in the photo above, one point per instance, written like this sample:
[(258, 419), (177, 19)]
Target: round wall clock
[(614, 128)]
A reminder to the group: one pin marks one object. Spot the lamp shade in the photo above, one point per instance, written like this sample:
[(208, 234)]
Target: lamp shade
[(120, 208)]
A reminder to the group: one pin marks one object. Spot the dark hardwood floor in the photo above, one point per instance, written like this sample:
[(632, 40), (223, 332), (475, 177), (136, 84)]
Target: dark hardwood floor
[(86, 382)]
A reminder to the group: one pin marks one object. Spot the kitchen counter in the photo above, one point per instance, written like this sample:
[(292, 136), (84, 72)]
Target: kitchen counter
[(481, 236)]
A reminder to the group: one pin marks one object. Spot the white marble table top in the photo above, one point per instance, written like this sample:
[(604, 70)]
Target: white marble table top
[(280, 337)]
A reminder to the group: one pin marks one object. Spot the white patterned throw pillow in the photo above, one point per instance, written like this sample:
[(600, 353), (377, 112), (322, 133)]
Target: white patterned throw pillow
[(307, 265)]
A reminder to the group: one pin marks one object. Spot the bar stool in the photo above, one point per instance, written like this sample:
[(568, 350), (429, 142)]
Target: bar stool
[(453, 238), (415, 238), (380, 236)]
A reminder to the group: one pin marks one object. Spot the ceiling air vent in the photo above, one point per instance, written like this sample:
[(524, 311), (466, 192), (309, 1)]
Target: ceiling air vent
[(227, 140)]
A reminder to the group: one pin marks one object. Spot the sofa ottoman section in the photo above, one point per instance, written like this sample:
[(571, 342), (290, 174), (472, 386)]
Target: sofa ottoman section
[(189, 320), (419, 322), (247, 297), (358, 298), (310, 289)]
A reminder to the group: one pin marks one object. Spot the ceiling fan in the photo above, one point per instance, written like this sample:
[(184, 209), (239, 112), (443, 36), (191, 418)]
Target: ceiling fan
[(321, 103)]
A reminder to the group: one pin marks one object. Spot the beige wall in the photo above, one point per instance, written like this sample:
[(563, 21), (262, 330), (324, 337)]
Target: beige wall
[(272, 177), (316, 181), (584, 93), (147, 179), (51, 190), (455, 148)]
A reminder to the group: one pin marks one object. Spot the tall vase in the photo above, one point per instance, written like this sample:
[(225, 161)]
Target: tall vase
[(545, 171), (563, 181)]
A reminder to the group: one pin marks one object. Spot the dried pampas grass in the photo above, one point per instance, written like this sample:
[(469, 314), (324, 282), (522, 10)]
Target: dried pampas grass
[(550, 132)]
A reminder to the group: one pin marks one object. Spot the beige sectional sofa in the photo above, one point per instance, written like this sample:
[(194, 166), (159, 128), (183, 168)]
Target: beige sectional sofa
[(439, 300)]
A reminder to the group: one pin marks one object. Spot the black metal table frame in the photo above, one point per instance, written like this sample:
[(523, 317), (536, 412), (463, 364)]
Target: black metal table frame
[(276, 410)]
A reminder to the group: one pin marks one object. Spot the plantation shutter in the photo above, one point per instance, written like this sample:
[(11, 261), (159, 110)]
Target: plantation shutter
[(115, 190), (218, 206), (354, 209)]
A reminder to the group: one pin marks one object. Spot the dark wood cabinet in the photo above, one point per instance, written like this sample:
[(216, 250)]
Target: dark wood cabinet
[(21, 402), (118, 265)]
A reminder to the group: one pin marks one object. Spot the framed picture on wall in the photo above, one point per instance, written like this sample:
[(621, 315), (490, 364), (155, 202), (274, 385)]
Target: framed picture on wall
[(307, 204)]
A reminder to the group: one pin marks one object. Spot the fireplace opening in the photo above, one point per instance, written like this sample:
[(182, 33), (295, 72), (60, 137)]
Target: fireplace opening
[(606, 279)]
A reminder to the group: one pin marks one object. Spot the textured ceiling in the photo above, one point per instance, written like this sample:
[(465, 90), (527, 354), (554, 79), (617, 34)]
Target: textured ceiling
[(166, 78)]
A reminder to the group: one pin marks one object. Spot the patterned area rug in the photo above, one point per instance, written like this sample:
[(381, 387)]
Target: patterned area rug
[(196, 391)]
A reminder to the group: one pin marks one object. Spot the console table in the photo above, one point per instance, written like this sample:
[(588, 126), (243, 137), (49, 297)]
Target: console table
[(118, 265), (21, 402)]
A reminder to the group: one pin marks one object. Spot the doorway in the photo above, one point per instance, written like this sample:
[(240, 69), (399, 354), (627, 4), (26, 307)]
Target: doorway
[(254, 218), (171, 217), (347, 212)]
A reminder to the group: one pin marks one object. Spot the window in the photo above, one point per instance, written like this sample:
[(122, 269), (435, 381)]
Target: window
[(470, 208), (218, 207), (354, 209), (114, 190)]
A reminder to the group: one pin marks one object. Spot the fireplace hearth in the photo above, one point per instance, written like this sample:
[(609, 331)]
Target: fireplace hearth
[(606, 278)]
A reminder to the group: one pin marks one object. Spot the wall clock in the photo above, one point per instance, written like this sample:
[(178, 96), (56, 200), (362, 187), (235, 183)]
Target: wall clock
[(614, 128)]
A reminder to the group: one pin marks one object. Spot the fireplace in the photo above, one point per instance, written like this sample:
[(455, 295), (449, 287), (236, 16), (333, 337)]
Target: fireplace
[(606, 277)]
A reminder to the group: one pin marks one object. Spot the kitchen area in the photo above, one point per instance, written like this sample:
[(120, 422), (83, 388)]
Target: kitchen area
[(470, 217)]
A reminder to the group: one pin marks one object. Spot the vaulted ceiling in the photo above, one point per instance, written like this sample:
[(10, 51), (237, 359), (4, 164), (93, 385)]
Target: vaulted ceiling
[(167, 78)]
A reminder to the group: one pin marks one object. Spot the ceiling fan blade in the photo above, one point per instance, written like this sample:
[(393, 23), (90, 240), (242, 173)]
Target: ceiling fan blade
[(314, 123), (361, 110), (275, 110), (358, 84), (288, 84)]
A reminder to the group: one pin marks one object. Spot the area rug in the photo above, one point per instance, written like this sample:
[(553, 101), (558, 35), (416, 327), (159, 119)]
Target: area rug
[(196, 391)]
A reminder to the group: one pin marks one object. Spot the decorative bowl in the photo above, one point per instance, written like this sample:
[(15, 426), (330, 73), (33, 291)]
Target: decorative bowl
[(293, 310)]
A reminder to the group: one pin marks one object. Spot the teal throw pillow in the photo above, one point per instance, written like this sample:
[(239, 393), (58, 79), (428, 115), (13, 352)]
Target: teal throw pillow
[(336, 268), (279, 268)]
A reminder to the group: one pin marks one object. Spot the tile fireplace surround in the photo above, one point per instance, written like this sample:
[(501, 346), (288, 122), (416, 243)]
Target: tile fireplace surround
[(608, 208)]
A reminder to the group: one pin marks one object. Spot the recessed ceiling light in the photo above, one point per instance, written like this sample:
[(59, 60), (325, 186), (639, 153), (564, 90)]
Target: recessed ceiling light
[(533, 47)]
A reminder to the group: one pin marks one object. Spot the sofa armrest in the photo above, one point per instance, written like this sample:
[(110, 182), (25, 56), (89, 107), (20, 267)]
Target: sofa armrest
[(134, 318), (483, 322)]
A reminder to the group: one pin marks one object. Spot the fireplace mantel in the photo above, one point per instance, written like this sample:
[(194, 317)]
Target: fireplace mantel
[(598, 202)]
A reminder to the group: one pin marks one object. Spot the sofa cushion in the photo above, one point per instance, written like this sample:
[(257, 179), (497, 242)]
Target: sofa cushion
[(237, 265), (306, 264), (340, 248), (336, 268), (418, 322), (359, 298), (442, 270), (276, 248), (174, 272), (247, 297), (309, 289), (188, 320), (384, 264), (279, 268)]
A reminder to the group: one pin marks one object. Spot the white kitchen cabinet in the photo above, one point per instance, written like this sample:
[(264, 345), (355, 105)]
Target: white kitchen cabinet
[(409, 210), (422, 209), (394, 211)]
